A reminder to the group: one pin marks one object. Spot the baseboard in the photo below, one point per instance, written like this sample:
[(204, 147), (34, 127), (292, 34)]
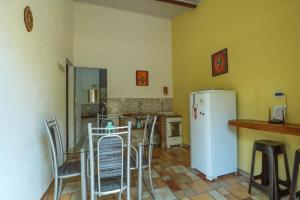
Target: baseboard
[(186, 146), (243, 173), (47, 190)]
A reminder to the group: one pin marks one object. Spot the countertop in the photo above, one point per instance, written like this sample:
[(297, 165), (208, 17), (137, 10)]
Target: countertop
[(89, 116), (138, 115), (287, 128), (142, 115)]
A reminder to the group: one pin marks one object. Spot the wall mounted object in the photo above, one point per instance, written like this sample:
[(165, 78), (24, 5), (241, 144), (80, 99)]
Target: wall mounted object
[(219, 62), (166, 91), (93, 95), (142, 78), (28, 19)]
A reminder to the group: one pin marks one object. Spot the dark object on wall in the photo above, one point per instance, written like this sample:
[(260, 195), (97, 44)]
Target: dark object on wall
[(166, 90), (28, 19), (142, 78), (219, 62)]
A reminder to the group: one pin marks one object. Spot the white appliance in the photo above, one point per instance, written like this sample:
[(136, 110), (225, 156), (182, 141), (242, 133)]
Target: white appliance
[(173, 131), (213, 142)]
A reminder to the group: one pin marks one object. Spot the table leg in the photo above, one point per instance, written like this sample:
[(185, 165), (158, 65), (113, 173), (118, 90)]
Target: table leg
[(140, 171), (83, 175)]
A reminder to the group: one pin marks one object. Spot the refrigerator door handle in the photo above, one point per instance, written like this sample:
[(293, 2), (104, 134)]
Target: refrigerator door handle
[(193, 100)]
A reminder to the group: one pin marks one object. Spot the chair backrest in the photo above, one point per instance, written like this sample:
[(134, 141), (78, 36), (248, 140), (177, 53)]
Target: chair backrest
[(56, 145), (110, 143), (103, 119), (146, 130), (149, 132)]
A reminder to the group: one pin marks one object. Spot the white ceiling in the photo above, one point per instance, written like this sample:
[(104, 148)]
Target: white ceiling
[(149, 7)]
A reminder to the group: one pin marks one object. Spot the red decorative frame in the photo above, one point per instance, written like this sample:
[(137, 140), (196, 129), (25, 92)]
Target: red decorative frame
[(219, 62), (142, 78)]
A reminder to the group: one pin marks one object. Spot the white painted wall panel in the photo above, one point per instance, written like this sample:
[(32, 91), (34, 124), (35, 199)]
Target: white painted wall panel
[(32, 87), (123, 42)]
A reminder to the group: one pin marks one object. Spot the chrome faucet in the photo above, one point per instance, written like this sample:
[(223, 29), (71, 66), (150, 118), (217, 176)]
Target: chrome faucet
[(104, 107), (161, 105)]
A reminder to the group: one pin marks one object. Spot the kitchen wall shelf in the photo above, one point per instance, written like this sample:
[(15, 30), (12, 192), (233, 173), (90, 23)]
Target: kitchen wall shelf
[(288, 129)]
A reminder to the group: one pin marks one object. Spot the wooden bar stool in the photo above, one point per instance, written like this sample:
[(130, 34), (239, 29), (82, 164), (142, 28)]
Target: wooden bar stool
[(269, 175), (294, 194)]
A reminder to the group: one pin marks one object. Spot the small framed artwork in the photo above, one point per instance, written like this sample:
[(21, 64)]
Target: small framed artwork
[(142, 78), (219, 63)]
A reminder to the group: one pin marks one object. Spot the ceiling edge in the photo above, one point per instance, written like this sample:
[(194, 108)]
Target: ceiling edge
[(180, 3)]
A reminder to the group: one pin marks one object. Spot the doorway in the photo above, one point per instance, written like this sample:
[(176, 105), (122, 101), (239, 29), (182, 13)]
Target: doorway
[(87, 96)]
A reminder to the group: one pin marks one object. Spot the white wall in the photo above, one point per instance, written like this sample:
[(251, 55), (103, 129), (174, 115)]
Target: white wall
[(32, 86), (123, 42)]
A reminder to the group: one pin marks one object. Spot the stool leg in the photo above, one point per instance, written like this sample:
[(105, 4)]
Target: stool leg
[(287, 181), (265, 170), (272, 180), (251, 178), (276, 177), (287, 170), (295, 176)]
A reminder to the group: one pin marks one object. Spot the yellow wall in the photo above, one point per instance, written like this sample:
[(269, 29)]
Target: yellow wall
[(263, 41)]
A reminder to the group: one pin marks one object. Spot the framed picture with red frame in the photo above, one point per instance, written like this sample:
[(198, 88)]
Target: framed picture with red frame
[(219, 62), (142, 78)]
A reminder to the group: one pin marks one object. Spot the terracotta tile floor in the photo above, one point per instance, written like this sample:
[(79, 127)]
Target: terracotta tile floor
[(173, 179)]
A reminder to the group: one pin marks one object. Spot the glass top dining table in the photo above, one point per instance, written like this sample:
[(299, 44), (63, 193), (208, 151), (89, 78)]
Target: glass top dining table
[(82, 147)]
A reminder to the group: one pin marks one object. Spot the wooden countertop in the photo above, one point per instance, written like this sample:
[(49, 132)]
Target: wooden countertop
[(287, 128), (89, 116), (138, 115), (145, 114)]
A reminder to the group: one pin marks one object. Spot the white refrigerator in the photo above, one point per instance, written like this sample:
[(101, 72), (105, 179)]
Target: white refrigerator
[(213, 142)]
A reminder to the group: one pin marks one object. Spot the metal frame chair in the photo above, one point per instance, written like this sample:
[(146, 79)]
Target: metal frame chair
[(108, 178), (114, 118), (60, 168), (148, 143)]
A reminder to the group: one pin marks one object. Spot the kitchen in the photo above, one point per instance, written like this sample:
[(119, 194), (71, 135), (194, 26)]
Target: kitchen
[(174, 46), (139, 99)]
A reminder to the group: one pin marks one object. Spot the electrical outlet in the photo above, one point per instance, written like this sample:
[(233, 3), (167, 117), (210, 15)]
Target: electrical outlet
[(279, 94)]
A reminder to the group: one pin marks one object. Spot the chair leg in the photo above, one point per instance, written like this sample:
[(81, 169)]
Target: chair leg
[(60, 188), (151, 183), (55, 188), (144, 176), (251, 178), (120, 195)]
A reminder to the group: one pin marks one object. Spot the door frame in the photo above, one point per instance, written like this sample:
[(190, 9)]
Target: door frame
[(68, 64)]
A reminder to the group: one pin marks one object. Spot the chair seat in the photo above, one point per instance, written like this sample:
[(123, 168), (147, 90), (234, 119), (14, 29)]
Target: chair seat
[(133, 163), (110, 185), (69, 169)]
